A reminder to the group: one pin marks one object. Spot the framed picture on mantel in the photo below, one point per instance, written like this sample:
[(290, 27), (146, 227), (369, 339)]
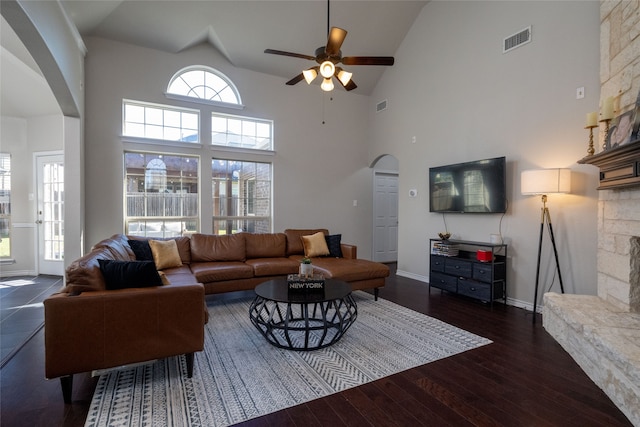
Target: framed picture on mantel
[(635, 133), (621, 131)]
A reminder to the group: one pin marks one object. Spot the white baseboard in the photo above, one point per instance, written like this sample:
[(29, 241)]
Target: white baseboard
[(15, 273), (413, 276)]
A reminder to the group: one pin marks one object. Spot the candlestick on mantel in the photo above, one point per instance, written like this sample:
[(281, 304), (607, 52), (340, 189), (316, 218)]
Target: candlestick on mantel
[(607, 109), (591, 151), (606, 132), (592, 120)]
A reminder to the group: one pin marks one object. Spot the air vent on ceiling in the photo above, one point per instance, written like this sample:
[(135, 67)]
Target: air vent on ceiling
[(381, 106), (518, 39)]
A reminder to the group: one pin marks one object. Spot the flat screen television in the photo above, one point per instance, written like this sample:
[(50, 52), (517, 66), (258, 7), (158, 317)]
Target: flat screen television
[(471, 187)]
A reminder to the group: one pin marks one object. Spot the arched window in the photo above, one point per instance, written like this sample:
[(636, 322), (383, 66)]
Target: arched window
[(204, 84)]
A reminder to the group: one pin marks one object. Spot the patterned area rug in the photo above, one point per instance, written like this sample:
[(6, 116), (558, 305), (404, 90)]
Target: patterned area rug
[(240, 376)]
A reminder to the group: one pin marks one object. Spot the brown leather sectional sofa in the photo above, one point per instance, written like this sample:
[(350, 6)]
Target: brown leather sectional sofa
[(89, 327)]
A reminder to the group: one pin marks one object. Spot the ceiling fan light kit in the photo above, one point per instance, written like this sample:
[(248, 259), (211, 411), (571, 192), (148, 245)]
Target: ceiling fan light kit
[(310, 75), (344, 76), (327, 69), (327, 85), (328, 56)]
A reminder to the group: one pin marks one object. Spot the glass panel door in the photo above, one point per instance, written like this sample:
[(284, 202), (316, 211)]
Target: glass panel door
[(50, 214)]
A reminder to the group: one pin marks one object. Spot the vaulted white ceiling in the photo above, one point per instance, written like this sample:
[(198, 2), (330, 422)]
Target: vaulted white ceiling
[(241, 30)]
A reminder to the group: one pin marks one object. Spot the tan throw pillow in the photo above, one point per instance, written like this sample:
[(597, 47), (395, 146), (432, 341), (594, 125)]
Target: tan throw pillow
[(315, 245), (165, 254)]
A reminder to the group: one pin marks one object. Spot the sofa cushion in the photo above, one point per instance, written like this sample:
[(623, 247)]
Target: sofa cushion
[(294, 241), (273, 266), (84, 275), (206, 272), (333, 243), (350, 270), (315, 245), (129, 274), (265, 245), (165, 254), (141, 249), (182, 242), (208, 247)]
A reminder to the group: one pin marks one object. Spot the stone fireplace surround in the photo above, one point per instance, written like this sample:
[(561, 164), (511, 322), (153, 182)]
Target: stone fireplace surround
[(602, 333)]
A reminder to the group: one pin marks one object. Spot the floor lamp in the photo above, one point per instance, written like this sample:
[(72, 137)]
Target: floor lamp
[(541, 182)]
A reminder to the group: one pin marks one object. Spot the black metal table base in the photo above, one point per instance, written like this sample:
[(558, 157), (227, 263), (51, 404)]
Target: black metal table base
[(303, 326)]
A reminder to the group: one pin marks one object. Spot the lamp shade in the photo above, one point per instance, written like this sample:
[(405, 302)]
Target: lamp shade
[(545, 181)]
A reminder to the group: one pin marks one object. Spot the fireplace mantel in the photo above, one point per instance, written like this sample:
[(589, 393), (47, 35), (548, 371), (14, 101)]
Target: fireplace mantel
[(619, 167)]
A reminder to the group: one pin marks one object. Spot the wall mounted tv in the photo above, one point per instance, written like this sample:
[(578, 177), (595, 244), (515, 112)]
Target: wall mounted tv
[(471, 187)]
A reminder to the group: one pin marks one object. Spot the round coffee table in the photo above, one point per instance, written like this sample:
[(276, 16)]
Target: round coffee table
[(303, 320)]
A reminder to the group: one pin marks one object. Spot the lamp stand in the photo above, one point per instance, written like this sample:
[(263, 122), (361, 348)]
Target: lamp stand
[(545, 218)]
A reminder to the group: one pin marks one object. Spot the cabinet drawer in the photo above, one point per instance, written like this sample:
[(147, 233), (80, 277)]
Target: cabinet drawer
[(482, 272), (437, 263), (442, 281), (473, 289), (458, 267)]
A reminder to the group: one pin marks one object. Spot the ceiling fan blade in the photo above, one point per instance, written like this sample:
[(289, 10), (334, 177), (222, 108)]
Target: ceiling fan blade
[(335, 40), (294, 55), (349, 86), (368, 60), (296, 79)]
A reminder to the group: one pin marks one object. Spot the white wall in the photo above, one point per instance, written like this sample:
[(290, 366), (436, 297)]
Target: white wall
[(319, 169), (463, 99)]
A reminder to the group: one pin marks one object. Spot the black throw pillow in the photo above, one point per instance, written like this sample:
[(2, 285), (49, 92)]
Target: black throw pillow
[(141, 249), (129, 274), (333, 243)]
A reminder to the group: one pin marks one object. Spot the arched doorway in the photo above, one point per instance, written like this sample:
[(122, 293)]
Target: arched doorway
[(385, 208)]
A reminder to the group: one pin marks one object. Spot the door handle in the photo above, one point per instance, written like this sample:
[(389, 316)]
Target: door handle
[(39, 221)]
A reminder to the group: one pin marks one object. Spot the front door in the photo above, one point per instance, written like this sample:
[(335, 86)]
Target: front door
[(50, 213)]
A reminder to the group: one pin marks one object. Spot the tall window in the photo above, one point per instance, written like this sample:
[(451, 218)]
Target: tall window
[(5, 205), (241, 196), (243, 132), (161, 194), (142, 120), (204, 83)]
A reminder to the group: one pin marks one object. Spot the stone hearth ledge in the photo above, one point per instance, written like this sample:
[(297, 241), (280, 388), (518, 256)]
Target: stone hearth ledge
[(604, 340)]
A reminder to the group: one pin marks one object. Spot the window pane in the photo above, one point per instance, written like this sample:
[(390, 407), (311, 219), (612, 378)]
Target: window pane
[(132, 129), (240, 201), (5, 205), (153, 116), (204, 83), (190, 121), (157, 122), (240, 131), (172, 118), (134, 113), (162, 194)]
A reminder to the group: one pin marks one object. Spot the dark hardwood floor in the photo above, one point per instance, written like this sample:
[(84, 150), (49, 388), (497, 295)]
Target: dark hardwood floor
[(524, 378)]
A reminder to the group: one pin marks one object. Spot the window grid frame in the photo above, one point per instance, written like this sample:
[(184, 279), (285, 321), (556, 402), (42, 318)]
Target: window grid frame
[(243, 122), (148, 107)]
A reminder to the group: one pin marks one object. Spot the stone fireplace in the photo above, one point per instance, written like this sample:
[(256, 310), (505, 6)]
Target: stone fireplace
[(619, 248), (602, 333)]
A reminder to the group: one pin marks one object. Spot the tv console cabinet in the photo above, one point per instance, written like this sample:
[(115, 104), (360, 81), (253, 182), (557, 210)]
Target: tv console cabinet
[(455, 268)]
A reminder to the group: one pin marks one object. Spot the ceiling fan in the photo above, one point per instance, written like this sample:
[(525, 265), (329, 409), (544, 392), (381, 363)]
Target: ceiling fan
[(328, 57)]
